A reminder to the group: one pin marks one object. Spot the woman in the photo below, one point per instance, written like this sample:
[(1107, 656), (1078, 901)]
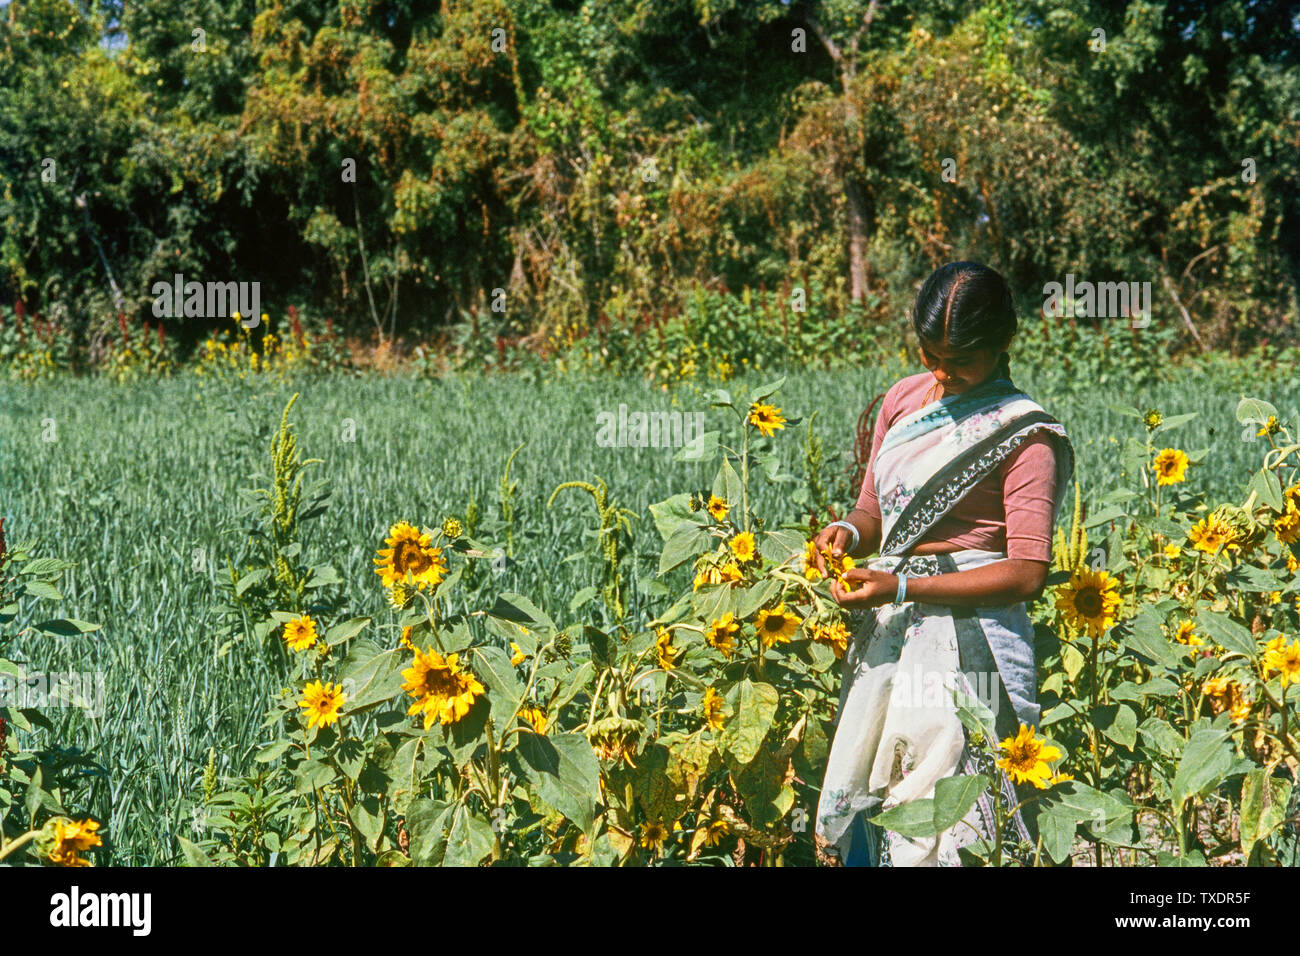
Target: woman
[(965, 479)]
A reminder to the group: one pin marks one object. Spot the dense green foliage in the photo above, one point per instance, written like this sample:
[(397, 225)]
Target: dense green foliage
[(579, 164)]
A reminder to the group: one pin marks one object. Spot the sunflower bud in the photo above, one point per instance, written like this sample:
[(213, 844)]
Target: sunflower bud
[(563, 643), (400, 595), (452, 529), (1152, 419), (1247, 531)]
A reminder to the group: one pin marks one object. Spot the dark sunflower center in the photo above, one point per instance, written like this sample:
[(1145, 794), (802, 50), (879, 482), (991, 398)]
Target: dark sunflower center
[(774, 623), (1088, 602), (410, 557)]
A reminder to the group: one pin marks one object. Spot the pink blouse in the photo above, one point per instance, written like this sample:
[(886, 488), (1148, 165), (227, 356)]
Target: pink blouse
[(1010, 510)]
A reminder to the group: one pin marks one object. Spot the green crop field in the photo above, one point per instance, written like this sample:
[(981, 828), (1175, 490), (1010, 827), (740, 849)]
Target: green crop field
[(140, 486)]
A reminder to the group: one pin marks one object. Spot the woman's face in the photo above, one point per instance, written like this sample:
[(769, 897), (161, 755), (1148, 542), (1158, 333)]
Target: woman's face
[(958, 369)]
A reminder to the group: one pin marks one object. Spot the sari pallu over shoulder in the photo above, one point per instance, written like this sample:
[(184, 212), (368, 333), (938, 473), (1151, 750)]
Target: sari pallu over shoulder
[(931, 459)]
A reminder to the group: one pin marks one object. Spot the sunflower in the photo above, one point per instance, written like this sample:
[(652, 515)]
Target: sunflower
[(409, 558), (1287, 526), (1292, 565), (717, 829), (810, 570), (1186, 634), (664, 649), (517, 656), (766, 418), (64, 840), (1152, 418), (1089, 600), (1212, 533), (536, 717), (1170, 466), (775, 625), (1270, 427), (323, 703), (653, 835), (721, 634), (742, 546), (1027, 758), (1285, 660), (442, 691), (300, 634), (400, 595), (837, 567), (717, 507), (709, 572), (1172, 551), (834, 634), (452, 528), (713, 709)]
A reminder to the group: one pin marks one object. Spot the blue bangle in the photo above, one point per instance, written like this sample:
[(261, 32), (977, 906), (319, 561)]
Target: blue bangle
[(902, 587)]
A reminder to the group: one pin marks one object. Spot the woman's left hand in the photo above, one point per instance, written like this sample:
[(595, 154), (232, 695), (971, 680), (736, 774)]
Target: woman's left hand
[(869, 588)]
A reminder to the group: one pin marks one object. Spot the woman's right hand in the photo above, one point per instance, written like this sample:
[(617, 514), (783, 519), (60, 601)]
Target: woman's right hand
[(836, 538)]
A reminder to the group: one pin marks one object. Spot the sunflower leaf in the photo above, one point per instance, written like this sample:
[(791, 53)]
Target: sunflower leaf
[(1204, 764), (565, 771), (1223, 630), (752, 708), (1254, 411), (914, 819), (345, 631), (953, 796), (492, 666)]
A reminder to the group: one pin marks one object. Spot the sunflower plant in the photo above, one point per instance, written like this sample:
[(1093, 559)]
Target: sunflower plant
[(35, 824)]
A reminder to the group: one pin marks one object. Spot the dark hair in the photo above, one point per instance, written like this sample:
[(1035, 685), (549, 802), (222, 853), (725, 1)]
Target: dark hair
[(968, 306)]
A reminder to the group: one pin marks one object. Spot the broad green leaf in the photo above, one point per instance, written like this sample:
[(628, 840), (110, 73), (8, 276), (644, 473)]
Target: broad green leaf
[(673, 514), (973, 712), (687, 543), (43, 589), (368, 818), (426, 822), (1264, 800), (1159, 735), (914, 819), (44, 566), (1057, 831), (1247, 577), (566, 773), (954, 796), (1254, 411), (1205, 762), (777, 546), (67, 627), (492, 666), (1222, 630), (520, 610), (727, 485), (347, 630), (1118, 722), (1267, 488), (470, 839), (752, 709), (1144, 634)]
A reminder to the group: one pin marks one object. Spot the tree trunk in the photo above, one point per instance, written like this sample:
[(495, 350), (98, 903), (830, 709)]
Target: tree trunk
[(857, 204)]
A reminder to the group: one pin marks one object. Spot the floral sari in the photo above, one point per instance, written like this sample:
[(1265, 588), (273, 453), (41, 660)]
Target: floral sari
[(897, 731)]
